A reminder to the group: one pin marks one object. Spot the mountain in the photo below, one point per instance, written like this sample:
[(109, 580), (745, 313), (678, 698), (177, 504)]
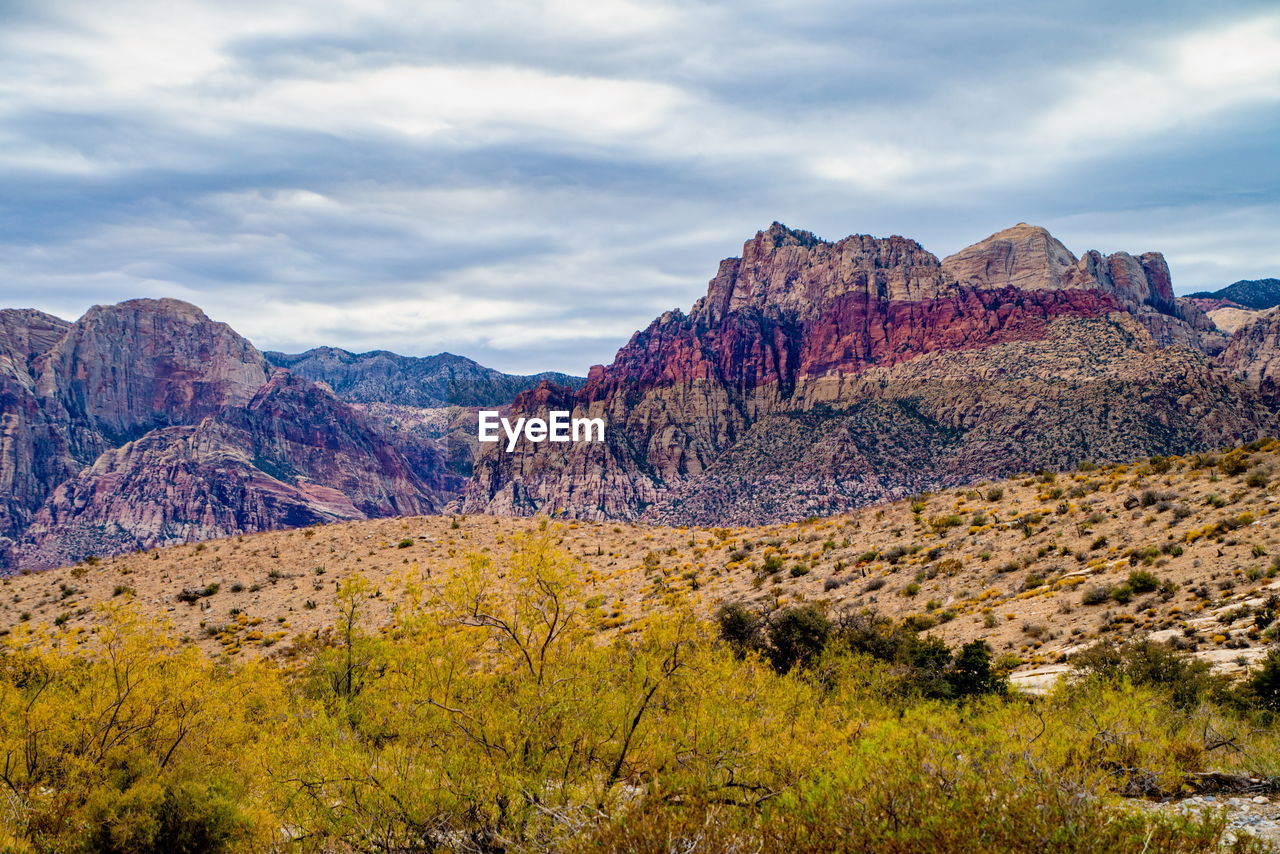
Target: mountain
[(820, 376), (146, 422), (424, 382), (1256, 294)]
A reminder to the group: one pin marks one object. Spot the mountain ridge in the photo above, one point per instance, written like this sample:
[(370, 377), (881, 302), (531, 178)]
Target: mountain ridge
[(962, 368), (381, 376), (1257, 294), (146, 422)]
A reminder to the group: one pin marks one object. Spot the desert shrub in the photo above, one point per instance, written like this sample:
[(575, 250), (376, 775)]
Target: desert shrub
[(195, 594), (1186, 680), (1234, 463), (491, 713), (1095, 594), (740, 627), (797, 635), (1262, 687), (944, 523), (1141, 581), (178, 818)]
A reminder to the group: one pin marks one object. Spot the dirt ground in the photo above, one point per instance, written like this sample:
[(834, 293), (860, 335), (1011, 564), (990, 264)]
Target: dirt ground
[(1014, 563)]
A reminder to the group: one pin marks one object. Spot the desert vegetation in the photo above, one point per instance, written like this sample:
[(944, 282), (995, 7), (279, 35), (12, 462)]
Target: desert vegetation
[(491, 713)]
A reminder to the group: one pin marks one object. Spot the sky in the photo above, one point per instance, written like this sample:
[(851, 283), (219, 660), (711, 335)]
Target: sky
[(527, 183)]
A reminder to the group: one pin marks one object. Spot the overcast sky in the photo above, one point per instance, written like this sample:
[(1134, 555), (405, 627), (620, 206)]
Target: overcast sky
[(526, 183)]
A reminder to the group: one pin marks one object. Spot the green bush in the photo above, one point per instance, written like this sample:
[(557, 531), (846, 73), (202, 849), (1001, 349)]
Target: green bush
[(1141, 581), (797, 635), (1186, 680)]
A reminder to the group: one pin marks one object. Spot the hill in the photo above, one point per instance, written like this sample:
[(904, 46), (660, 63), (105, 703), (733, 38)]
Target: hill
[(397, 684), (1257, 294), (1182, 549)]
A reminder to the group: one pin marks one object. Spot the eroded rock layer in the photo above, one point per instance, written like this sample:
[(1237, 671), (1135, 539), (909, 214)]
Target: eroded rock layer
[(146, 422), (818, 376)]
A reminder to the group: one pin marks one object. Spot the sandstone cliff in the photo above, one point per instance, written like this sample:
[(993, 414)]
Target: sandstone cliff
[(1254, 353), (147, 422), (819, 376), (293, 455)]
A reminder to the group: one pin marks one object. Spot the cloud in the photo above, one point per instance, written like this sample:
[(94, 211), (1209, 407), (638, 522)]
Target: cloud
[(528, 182)]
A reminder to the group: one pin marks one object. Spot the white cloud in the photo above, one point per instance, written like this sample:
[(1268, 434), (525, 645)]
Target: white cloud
[(1175, 85), (512, 173)]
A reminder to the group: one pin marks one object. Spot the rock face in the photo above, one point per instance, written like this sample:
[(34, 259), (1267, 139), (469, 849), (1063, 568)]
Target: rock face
[(1231, 319), (34, 454), (125, 369), (816, 376), (425, 382), (1254, 353), (1029, 258), (293, 455), (1211, 304), (146, 422)]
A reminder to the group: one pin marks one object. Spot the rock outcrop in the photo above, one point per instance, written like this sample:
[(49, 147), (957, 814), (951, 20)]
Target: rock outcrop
[(1030, 258), (34, 454), (1254, 353), (1231, 319), (122, 370), (816, 376)]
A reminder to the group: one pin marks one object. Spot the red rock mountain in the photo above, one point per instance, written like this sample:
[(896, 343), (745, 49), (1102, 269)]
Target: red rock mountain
[(146, 423), (818, 376)]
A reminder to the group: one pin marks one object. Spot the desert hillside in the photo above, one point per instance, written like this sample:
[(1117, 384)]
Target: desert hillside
[(1184, 549)]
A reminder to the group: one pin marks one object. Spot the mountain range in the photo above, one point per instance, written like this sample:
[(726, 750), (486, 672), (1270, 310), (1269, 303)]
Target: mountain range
[(146, 423), (1255, 294), (424, 382), (819, 376), (813, 377)]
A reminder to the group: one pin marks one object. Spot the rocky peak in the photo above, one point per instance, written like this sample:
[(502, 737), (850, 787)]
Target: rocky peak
[(1134, 281), (1028, 257), (1024, 256), (132, 367), (800, 274), (26, 333)]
